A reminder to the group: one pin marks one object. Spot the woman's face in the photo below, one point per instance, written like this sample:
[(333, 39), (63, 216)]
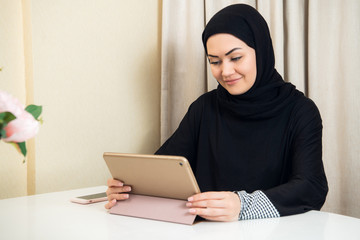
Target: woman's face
[(233, 62)]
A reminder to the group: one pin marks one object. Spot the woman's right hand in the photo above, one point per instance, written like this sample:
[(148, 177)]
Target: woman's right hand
[(116, 191)]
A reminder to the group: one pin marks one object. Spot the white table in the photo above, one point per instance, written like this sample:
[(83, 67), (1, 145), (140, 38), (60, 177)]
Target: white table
[(53, 216)]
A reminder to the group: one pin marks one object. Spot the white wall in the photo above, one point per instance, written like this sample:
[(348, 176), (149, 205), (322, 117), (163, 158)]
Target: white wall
[(96, 71)]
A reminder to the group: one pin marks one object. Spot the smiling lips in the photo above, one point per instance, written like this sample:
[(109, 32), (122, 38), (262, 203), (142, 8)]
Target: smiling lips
[(232, 81)]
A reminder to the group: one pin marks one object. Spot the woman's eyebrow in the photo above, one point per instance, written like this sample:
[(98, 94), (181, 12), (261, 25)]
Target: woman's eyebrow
[(225, 53), (231, 51)]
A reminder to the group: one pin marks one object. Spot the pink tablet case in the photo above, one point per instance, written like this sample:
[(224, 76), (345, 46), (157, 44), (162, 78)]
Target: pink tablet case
[(158, 208)]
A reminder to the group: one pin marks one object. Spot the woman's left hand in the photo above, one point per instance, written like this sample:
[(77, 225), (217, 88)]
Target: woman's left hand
[(215, 206)]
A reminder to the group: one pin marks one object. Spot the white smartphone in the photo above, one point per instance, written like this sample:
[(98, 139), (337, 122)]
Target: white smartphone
[(92, 198)]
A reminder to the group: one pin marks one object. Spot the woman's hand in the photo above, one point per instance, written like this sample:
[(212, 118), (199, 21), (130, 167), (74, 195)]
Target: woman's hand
[(116, 191), (215, 206)]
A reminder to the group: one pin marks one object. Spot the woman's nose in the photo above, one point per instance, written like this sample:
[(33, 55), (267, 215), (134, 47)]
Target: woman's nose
[(227, 69)]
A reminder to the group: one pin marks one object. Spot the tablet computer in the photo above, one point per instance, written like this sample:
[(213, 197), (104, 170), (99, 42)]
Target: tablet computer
[(153, 175)]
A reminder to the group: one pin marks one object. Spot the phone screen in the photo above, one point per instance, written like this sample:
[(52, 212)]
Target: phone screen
[(93, 196)]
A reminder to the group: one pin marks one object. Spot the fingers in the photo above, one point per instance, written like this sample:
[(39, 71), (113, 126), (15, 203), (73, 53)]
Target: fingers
[(113, 198), (110, 204), (210, 199), (116, 192), (215, 206), (114, 183), (206, 204), (116, 187), (118, 196), (207, 196), (208, 212)]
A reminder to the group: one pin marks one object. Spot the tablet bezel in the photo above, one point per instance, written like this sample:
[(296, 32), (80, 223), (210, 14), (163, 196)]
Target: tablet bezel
[(153, 175)]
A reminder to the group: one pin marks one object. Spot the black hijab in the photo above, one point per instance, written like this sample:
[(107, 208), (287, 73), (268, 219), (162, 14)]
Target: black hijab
[(270, 93)]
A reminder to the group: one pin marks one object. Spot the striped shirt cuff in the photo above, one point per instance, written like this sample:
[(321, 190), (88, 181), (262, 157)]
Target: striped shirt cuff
[(256, 206)]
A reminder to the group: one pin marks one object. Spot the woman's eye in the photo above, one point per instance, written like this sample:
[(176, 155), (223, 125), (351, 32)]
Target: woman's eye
[(235, 59), (214, 62)]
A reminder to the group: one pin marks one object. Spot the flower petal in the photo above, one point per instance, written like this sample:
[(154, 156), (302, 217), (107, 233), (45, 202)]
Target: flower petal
[(10, 104), (22, 128)]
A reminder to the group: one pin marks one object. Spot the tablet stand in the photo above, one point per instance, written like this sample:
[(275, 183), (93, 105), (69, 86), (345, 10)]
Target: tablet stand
[(158, 208)]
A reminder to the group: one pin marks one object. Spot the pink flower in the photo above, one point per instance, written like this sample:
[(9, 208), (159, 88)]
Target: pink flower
[(24, 126)]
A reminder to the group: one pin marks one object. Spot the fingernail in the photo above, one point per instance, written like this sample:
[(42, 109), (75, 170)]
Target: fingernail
[(126, 196), (121, 184), (188, 204), (191, 210), (113, 201), (190, 198), (128, 189)]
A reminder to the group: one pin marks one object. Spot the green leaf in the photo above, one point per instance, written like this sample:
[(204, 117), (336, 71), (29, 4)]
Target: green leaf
[(34, 110), (22, 147), (5, 118), (2, 133)]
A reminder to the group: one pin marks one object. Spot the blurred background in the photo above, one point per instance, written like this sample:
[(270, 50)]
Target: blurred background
[(94, 66)]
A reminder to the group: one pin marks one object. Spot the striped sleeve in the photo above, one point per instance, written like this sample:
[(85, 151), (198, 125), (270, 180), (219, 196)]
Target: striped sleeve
[(255, 206)]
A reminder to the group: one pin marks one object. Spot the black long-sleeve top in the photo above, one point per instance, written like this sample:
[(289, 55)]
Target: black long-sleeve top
[(278, 153)]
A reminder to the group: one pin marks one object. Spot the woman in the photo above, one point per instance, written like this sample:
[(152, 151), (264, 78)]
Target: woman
[(254, 143)]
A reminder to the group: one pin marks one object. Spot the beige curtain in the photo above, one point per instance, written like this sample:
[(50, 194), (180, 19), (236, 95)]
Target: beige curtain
[(317, 48)]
